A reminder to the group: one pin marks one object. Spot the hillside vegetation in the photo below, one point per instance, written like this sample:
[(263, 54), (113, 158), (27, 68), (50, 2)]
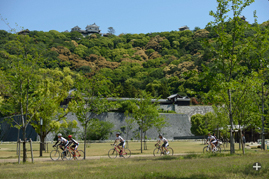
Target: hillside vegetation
[(161, 63)]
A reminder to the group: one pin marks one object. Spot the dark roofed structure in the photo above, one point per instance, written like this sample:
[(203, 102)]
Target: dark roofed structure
[(24, 32), (90, 29), (184, 28), (243, 18), (174, 99)]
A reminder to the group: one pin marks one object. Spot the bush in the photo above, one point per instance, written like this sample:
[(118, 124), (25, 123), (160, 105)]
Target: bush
[(99, 130), (66, 132)]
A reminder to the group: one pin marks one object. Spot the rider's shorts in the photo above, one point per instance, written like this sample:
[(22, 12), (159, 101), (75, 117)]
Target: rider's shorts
[(75, 146), (165, 144), (122, 144)]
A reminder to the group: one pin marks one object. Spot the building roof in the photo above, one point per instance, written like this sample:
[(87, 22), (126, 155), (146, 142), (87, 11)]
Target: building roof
[(184, 28), (242, 17), (92, 25)]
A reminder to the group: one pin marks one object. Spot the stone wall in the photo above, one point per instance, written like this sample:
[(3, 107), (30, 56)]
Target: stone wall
[(191, 110), (179, 125)]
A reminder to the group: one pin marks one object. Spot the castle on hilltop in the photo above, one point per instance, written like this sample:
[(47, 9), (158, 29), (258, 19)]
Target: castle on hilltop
[(90, 29)]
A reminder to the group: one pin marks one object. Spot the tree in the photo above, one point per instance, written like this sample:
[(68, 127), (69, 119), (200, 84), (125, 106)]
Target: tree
[(54, 85), (229, 48), (260, 46), (111, 30), (145, 113), (199, 125), (22, 81), (99, 130), (91, 100)]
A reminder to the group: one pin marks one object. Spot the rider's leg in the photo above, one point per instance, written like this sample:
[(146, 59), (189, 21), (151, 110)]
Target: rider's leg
[(212, 145), (123, 148)]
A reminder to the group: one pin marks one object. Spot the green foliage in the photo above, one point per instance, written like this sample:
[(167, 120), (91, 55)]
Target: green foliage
[(145, 113), (99, 130), (198, 125), (70, 130)]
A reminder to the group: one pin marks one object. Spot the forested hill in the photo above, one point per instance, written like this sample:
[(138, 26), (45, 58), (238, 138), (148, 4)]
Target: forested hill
[(155, 62)]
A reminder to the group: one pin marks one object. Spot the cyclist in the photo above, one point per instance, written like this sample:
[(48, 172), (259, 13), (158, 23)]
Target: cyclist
[(63, 142), (208, 138), (213, 140), (165, 143), (122, 143), (74, 147)]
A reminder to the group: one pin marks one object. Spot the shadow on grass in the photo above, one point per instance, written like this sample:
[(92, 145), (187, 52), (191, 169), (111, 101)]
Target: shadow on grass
[(249, 171), (159, 175), (166, 157)]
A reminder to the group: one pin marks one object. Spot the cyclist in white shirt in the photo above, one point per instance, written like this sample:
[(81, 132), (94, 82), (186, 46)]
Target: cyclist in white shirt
[(165, 143), (73, 147), (122, 143), (213, 140), (63, 142), (208, 138)]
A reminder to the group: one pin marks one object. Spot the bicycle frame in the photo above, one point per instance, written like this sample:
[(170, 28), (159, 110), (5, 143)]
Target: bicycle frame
[(116, 148)]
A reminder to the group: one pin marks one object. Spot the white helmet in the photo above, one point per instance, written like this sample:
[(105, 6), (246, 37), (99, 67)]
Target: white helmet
[(59, 135)]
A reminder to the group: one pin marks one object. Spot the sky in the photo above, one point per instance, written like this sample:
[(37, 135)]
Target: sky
[(125, 16)]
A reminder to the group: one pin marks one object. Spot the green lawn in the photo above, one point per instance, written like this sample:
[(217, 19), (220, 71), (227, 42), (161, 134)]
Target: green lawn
[(187, 167), (101, 149)]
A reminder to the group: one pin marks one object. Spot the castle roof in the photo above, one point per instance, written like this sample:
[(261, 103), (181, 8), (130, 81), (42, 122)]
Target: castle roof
[(92, 25)]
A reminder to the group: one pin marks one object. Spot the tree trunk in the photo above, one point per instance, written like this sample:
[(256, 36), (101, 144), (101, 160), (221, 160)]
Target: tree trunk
[(24, 144), (252, 135), (231, 123), (141, 131), (241, 140), (240, 137), (263, 141), (218, 131), (85, 133)]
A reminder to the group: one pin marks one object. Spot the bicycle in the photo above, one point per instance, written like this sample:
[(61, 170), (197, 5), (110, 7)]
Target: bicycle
[(113, 153), (208, 149), (79, 154), (158, 150), (55, 154)]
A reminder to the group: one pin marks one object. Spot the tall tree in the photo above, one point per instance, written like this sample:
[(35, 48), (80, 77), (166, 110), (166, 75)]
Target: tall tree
[(145, 113), (91, 100), (54, 85), (260, 46), (229, 47), (111, 30), (21, 81)]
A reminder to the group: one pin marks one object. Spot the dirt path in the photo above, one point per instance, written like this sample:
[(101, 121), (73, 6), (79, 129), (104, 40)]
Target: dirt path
[(87, 158)]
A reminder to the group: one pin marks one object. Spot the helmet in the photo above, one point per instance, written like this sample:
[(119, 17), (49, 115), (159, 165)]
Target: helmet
[(70, 136), (160, 135), (213, 134), (117, 133), (59, 135)]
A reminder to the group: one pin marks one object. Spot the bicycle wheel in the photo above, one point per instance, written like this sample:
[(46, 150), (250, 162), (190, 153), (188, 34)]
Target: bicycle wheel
[(170, 151), (206, 149), (127, 153), (218, 149), (112, 153), (66, 155), (80, 155), (54, 154), (157, 151)]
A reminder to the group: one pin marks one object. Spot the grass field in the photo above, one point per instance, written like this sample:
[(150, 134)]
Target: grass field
[(101, 149), (187, 167)]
